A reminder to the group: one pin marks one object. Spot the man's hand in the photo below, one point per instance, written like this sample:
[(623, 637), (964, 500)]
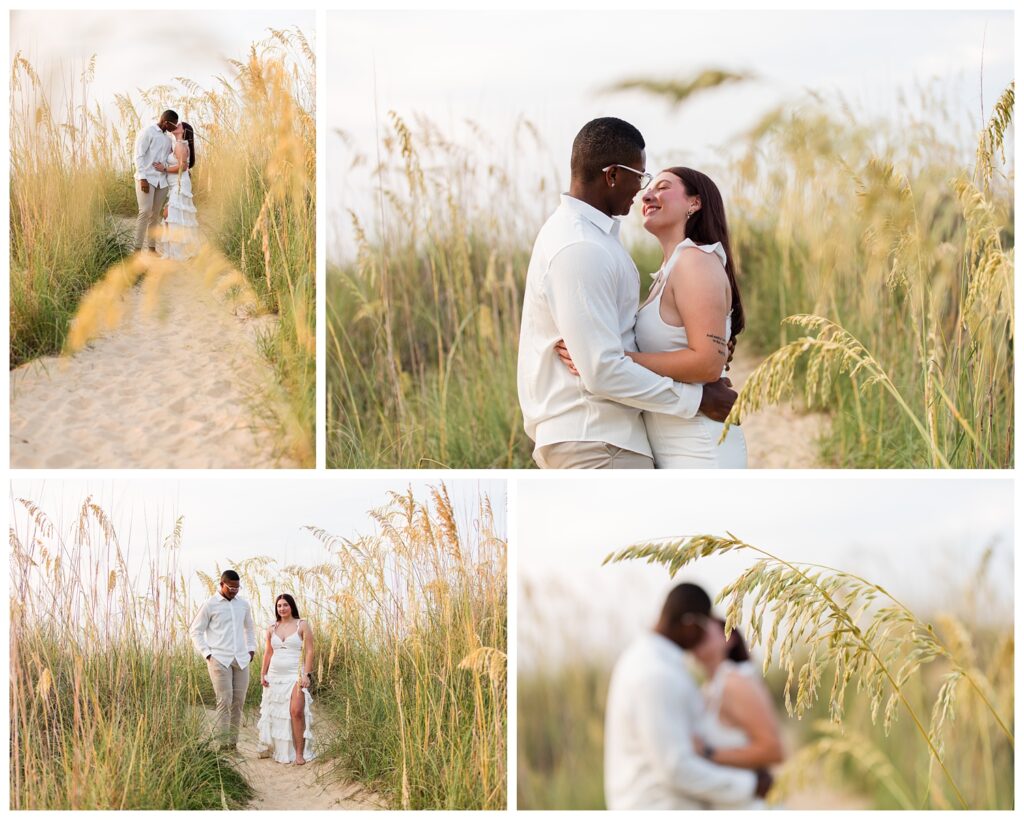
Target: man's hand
[(764, 782), (208, 657), (718, 399), (251, 656), (563, 354), (144, 185)]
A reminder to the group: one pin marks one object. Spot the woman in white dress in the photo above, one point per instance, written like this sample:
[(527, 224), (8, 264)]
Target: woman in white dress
[(693, 310), (179, 236), (286, 720), (739, 726)]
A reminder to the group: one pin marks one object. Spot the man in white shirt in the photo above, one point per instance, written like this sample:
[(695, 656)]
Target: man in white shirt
[(582, 287), (653, 704), (223, 632), (152, 145)]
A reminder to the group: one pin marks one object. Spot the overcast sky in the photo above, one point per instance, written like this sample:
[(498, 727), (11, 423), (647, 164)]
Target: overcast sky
[(230, 519), (142, 49), (552, 67), (920, 538)]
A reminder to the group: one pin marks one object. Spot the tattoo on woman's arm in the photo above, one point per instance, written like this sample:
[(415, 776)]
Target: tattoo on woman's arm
[(723, 343)]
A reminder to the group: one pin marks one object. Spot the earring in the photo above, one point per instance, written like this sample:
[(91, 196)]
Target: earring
[(611, 184)]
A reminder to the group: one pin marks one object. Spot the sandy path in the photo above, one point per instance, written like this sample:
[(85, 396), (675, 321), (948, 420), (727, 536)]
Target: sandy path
[(170, 387), (781, 436), (281, 787)]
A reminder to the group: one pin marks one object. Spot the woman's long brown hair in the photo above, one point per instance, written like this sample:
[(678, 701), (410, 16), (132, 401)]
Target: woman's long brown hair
[(707, 226)]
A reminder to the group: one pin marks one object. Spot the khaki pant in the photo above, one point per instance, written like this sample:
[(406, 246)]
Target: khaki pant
[(230, 683), (590, 455), (151, 207)]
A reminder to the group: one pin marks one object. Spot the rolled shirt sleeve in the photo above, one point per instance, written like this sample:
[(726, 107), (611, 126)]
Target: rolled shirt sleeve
[(198, 630), (142, 142), (580, 288)]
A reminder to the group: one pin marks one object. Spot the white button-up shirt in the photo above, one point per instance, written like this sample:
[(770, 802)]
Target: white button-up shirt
[(225, 630), (649, 759), (151, 145), (583, 287)]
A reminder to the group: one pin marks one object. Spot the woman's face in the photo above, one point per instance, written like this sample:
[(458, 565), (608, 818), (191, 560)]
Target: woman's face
[(666, 203), (714, 646), (284, 609), (179, 131)]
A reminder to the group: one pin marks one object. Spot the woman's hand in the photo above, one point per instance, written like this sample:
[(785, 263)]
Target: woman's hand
[(159, 166), (306, 680), (563, 354), (263, 681)]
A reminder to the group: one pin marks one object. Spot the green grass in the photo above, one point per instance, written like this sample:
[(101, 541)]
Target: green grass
[(108, 696), (900, 240)]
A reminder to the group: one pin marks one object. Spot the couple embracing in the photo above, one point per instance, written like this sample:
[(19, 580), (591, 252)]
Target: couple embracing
[(670, 744), (602, 384), (224, 634), (165, 153)]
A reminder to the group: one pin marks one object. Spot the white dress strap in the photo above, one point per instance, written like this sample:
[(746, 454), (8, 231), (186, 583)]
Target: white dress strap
[(715, 248)]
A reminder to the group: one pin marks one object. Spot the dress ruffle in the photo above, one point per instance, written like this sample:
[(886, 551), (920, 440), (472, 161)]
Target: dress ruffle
[(179, 236), (275, 723)]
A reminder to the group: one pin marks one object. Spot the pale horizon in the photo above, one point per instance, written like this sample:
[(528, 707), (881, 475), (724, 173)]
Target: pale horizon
[(492, 69)]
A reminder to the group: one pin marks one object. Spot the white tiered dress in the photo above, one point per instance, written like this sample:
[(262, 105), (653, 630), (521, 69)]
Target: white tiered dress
[(275, 723), (179, 235), (675, 441)]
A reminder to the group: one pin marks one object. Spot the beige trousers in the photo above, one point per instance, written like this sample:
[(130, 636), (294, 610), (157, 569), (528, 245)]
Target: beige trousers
[(590, 455), (151, 207), (230, 683)]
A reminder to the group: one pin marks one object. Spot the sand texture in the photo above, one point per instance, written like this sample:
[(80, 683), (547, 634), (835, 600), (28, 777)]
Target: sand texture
[(173, 385), (286, 787), (784, 435)]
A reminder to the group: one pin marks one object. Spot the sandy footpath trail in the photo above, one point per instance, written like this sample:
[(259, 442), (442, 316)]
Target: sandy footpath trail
[(169, 387), (784, 435), (283, 787)]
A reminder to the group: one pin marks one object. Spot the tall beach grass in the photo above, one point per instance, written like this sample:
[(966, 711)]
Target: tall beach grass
[(68, 169), (899, 710), (109, 699), (875, 258), (254, 184)]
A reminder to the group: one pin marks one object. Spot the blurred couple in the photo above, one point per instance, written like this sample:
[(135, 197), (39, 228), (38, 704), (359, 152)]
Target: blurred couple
[(602, 385), (670, 744), (224, 634), (165, 153)]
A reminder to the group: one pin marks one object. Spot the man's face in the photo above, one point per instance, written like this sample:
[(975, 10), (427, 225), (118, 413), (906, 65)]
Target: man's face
[(229, 589), (166, 125), (627, 184), (691, 630)]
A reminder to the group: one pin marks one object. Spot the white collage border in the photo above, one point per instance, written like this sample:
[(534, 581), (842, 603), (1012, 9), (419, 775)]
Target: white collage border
[(511, 477)]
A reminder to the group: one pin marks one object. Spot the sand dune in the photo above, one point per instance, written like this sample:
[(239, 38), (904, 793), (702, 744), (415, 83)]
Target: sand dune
[(281, 787), (172, 386), (784, 435)]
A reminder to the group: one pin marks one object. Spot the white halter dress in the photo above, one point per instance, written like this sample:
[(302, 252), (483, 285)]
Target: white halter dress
[(710, 727), (275, 723), (675, 441)]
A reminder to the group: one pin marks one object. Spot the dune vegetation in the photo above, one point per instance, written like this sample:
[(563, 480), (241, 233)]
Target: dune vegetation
[(72, 211), (875, 258), (108, 694)]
